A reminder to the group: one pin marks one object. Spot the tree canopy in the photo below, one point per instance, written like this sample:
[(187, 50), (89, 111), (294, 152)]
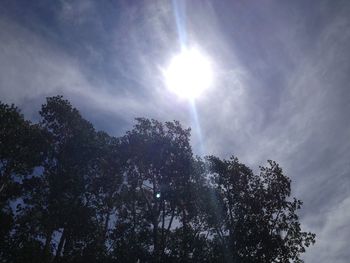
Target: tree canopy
[(70, 193)]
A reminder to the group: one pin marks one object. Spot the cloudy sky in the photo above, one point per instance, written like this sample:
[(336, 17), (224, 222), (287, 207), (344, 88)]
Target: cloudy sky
[(281, 83)]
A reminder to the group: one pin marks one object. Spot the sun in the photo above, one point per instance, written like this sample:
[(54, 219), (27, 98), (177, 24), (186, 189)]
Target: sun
[(189, 74)]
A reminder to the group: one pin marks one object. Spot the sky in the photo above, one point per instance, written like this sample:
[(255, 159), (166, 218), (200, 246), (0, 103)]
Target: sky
[(280, 89)]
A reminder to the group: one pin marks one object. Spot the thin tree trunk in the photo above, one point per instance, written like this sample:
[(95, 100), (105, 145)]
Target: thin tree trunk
[(165, 235), (134, 218), (5, 177), (171, 219), (155, 212), (163, 221), (47, 245), (60, 246), (106, 225), (155, 239), (184, 236), (68, 245), (163, 229)]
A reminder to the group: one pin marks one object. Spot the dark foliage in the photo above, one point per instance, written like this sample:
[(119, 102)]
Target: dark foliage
[(69, 193)]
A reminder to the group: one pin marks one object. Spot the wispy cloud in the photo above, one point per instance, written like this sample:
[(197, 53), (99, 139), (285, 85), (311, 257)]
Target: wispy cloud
[(281, 89)]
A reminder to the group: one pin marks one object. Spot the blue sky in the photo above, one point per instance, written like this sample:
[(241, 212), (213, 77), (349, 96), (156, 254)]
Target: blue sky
[(281, 88)]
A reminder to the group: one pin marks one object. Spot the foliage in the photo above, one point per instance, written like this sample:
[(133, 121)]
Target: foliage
[(69, 193)]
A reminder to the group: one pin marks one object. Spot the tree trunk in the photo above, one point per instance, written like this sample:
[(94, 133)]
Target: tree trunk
[(162, 241), (47, 246), (106, 225), (184, 236), (60, 246), (155, 239), (5, 177)]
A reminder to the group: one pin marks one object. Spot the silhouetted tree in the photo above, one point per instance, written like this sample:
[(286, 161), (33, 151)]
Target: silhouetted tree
[(21, 150), (257, 220), (158, 173), (71, 194)]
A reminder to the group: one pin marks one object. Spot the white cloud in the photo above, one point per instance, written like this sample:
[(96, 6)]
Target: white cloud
[(33, 68), (333, 236), (289, 102)]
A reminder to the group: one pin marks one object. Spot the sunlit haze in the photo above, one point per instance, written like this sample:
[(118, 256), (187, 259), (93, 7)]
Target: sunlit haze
[(189, 74)]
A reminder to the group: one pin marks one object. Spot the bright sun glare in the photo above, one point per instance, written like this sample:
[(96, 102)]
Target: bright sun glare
[(189, 74)]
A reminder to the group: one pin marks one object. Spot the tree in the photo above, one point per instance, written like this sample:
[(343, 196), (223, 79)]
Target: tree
[(22, 148), (69, 169), (158, 169), (71, 194), (258, 220), (57, 214)]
